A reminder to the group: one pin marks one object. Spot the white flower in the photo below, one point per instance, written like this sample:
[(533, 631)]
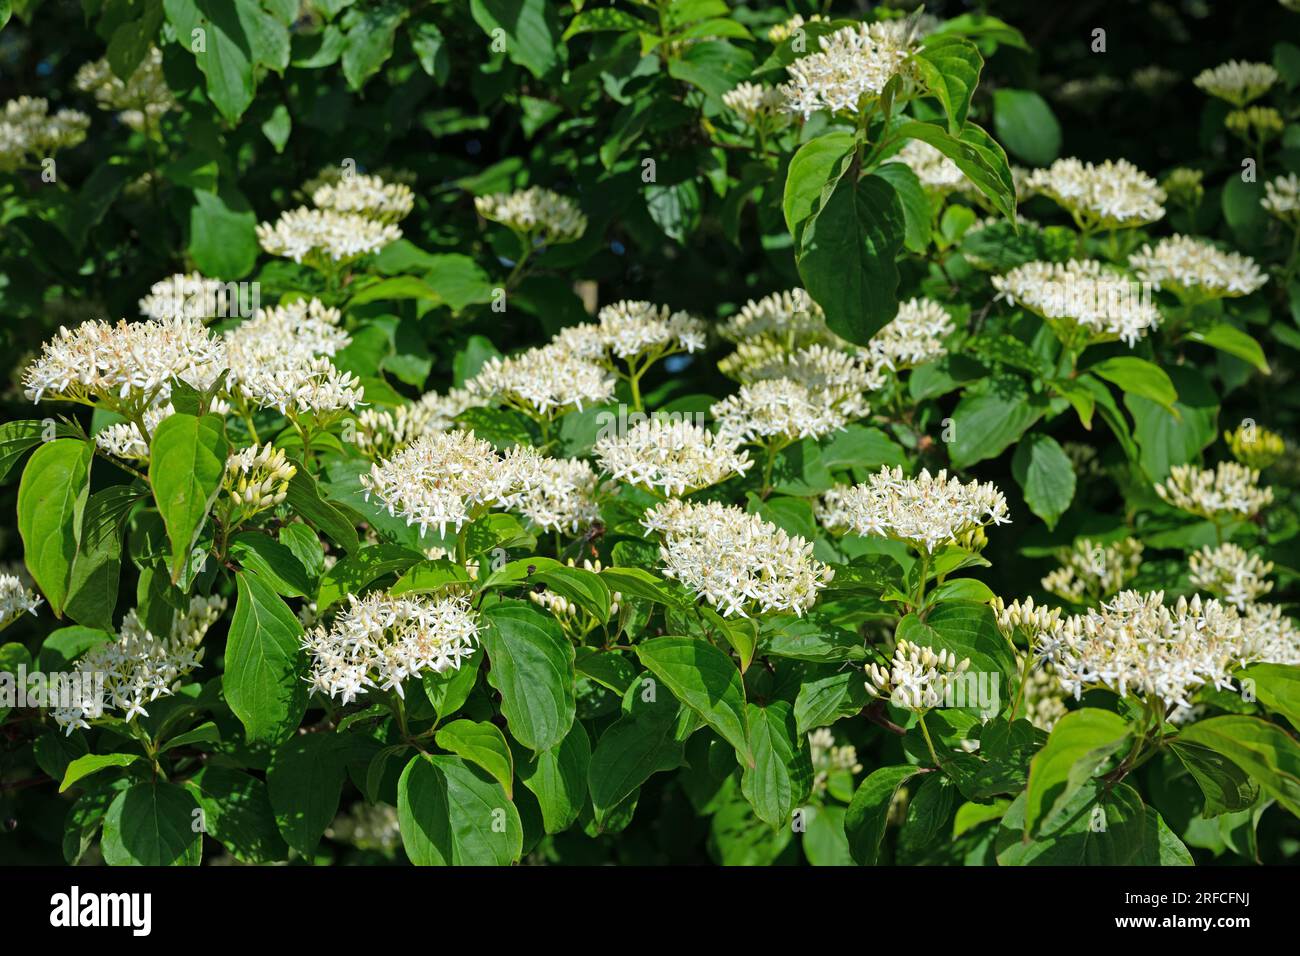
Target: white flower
[(1083, 301), (1195, 265), (535, 212), (562, 497), (141, 99), (914, 336), (190, 296), (629, 329), (367, 196), (440, 478), (828, 758), (1230, 490), (784, 410), (16, 599), (543, 380), (381, 640), (1237, 81), (735, 560), (924, 512), (28, 133), (755, 102), (257, 478), (1269, 637), (1108, 195), (1282, 197), (381, 432), (124, 440), (835, 376), (792, 317), (1091, 570), (918, 678), (676, 457), (319, 237), (850, 64), (1231, 573)]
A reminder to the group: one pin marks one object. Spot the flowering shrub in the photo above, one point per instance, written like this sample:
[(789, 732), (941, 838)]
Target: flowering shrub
[(648, 432)]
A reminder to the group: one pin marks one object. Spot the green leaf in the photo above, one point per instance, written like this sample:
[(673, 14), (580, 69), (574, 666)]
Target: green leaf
[(96, 569), (448, 691), (204, 733), (1136, 376), (1264, 751), (51, 500), (968, 630), (18, 438), (639, 744), (558, 779), (237, 813), (186, 464), (781, 777), (1226, 786), (638, 584), (847, 256), (371, 30), (950, 69), (714, 66), (989, 417), (232, 37), (1026, 125), (355, 573), (1097, 826), (868, 812), (152, 824), (823, 700), (603, 19), (1079, 744), (928, 823), (585, 588), (452, 814), (530, 29), (1045, 473), (976, 155), (273, 561), (84, 766), (814, 170), (265, 664), (1174, 437), (532, 667), (1230, 339), (1277, 686), (304, 782), (305, 499), (481, 743), (917, 211), (223, 238), (706, 680)]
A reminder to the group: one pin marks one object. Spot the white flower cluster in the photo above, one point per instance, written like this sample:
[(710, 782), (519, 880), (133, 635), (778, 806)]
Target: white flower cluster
[(16, 599), (1282, 198), (1269, 636), (381, 640), (127, 365), (441, 478), (924, 512), (1083, 301), (791, 318), (850, 64), (535, 213), (124, 439), (367, 196), (780, 32), (913, 337), (1091, 571), (139, 667), (191, 296), (840, 377), (1110, 195), (783, 410), (1231, 573), (560, 497), (1043, 697), (918, 678), (323, 238), (28, 133), (830, 758), (935, 170), (257, 478), (1198, 267), (543, 381), (629, 329), (735, 560), (381, 432), (756, 103), (675, 457), (1024, 615), (141, 99), (1237, 81), (1230, 490)]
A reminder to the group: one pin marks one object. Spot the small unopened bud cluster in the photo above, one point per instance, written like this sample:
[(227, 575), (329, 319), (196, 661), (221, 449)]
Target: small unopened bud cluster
[(367, 196), (1255, 446), (829, 758), (561, 606), (917, 679), (1110, 195), (1237, 81), (535, 213), (1196, 267), (1230, 490), (757, 103), (1091, 570), (1282, 198), (1255, 124), (257, 478), (29, 133)]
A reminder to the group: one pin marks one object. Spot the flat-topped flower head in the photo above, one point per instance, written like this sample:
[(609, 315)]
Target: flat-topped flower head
[(1269, 636), (1114, 194), (757, 103), (673, 457), (1237, 81), (446, 478), (379, 641), (535, 213), (935, 171), (1024, 616), (191, 295), (125, 440), (16, 599), (1230, 573), (130, 365), (1196, 268), (1229, 490), (138, 667), (1083, 301), (367, 196), (913, 337), (383, 431), (791, 318), (543, 381), (29, 132), (850, 64), (736, 561), (141, 99), (918, 678), (830, 759), (842, 377), (629, 329), (926, 512), (305, 328), (257, 478), (1255, 446), (782, 409), (561, 496), (323, 238), (1282, 198), (1091, 570)]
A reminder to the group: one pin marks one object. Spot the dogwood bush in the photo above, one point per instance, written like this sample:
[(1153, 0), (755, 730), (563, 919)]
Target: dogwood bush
[(514, 431)]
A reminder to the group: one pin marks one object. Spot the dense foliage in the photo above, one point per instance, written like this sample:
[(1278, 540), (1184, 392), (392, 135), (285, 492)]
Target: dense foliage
[(649, 432)]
